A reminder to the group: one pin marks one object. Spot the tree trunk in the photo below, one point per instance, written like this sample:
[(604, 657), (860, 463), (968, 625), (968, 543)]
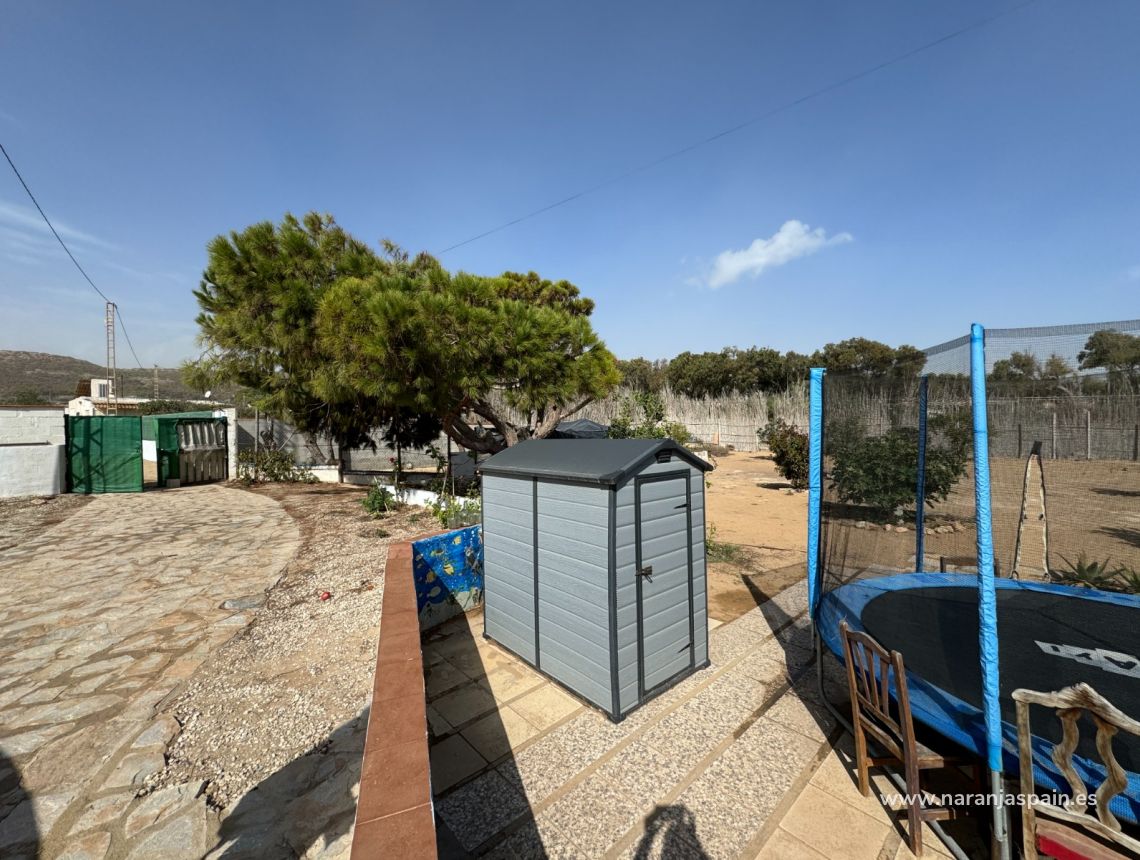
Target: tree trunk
[(315, 452)]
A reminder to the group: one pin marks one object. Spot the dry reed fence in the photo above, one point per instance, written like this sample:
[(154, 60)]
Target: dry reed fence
[(728, 420), (1066, 426)]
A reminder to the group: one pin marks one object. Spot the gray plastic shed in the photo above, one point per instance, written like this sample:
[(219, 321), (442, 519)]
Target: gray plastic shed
[(594, 564)]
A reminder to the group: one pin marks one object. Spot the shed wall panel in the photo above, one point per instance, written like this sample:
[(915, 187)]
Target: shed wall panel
[(508, 563), (573, 592)]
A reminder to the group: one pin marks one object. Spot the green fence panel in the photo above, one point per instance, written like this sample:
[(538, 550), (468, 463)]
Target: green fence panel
[(104, 454)]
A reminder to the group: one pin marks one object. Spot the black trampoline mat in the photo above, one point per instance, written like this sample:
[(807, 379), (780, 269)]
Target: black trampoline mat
[(936, 629)]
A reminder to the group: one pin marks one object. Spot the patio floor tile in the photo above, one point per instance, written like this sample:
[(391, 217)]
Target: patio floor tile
[(452, 760), (496, 734), (545, 706), (848, 831)]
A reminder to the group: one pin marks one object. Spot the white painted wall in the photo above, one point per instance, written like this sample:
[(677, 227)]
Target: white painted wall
[(407, 495), (31, 425), (231, 438), (31, 470)]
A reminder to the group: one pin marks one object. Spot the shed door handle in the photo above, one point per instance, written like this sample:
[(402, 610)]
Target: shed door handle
[(646, 571)]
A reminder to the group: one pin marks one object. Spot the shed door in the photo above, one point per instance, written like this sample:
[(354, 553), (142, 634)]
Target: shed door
[(664, 578)]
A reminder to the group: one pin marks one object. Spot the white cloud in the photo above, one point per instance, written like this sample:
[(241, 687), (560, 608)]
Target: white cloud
[(794, 239), (23, 224)]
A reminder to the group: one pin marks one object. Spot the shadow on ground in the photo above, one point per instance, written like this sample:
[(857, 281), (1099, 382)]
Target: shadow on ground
[(480, 798), (19, 833), (670, 832), (821, 685), (309, 803)]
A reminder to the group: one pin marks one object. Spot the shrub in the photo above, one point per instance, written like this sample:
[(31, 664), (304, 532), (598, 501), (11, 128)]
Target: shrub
[(379, 500), (457, 511), (265, 465), (653, 427), (881, 472), (789, 449)]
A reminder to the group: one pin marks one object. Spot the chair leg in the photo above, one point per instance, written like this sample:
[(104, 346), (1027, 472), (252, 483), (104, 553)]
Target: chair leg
[(861, 760), (914, 808)]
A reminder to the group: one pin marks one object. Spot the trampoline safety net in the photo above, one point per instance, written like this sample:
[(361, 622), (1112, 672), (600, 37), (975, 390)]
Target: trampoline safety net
[(898, 527)]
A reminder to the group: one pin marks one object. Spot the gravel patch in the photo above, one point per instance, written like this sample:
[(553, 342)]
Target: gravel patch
[(295, 681), (23, 517)]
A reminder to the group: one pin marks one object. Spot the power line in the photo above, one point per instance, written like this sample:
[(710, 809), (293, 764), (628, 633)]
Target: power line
[(67, 251), (127, 337), (685, 150)]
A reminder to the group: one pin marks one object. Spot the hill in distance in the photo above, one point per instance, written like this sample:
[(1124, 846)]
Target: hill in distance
[(31, 376)]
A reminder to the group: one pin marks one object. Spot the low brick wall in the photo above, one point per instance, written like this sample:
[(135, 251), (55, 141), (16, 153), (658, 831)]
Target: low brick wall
[(394, 815)]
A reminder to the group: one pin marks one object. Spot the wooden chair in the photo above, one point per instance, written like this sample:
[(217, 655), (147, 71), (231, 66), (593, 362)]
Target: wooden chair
[(870, 672), (1057, 837)]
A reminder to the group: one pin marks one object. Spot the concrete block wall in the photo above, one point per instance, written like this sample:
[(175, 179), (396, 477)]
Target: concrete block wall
[(31, 425)]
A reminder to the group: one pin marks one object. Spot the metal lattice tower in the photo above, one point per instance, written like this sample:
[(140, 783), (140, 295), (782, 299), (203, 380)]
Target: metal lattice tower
[(112, 405)]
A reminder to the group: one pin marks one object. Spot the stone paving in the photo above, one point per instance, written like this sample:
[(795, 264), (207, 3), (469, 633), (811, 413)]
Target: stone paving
[(735, 761), (102, 618)]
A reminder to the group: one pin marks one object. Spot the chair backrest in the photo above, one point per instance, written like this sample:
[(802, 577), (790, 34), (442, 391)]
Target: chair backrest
[(1070, 704), (871, 671)]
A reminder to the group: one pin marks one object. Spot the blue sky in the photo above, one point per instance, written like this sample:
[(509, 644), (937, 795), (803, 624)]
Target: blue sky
[(992, 178)]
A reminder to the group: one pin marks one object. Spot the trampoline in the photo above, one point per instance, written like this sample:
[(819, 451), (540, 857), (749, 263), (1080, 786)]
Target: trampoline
[(1051, 636), (985, 522)]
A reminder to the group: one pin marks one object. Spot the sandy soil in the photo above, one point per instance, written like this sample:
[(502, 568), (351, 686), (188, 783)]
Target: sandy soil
[(763, 522), (25, 516), (1092, 508)]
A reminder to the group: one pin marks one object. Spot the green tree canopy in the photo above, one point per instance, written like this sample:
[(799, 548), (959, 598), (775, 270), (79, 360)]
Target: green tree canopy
[(466, 349), (259, 297), (1116, 351), (641, 374), (1019, 366), (870, 358)]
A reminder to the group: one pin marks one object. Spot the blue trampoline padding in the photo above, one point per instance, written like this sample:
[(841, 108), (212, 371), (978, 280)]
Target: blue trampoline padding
[(1073, 613)]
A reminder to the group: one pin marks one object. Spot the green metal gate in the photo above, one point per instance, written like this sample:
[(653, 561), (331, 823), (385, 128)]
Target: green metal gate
[(190, 450), (104, 454)]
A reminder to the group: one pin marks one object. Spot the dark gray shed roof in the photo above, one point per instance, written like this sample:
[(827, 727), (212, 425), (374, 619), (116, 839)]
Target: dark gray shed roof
[(600, 461)]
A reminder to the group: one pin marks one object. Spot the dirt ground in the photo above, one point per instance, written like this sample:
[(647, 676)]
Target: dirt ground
[(760, 538), (1092, 508), (24, 516)]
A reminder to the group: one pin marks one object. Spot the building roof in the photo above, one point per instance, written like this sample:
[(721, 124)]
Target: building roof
[(597, 461)]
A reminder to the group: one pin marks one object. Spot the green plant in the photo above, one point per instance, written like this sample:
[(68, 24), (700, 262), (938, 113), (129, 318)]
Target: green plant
[(789, 449), (717, 550), (1128, 579), (653, 427), (881, 472), (379, 500), (1087, 574), (266, 465), (456, 511)]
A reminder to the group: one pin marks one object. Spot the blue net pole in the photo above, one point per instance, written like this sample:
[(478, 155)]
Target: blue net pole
[(815, 483), (987, 600), (920, 488)]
